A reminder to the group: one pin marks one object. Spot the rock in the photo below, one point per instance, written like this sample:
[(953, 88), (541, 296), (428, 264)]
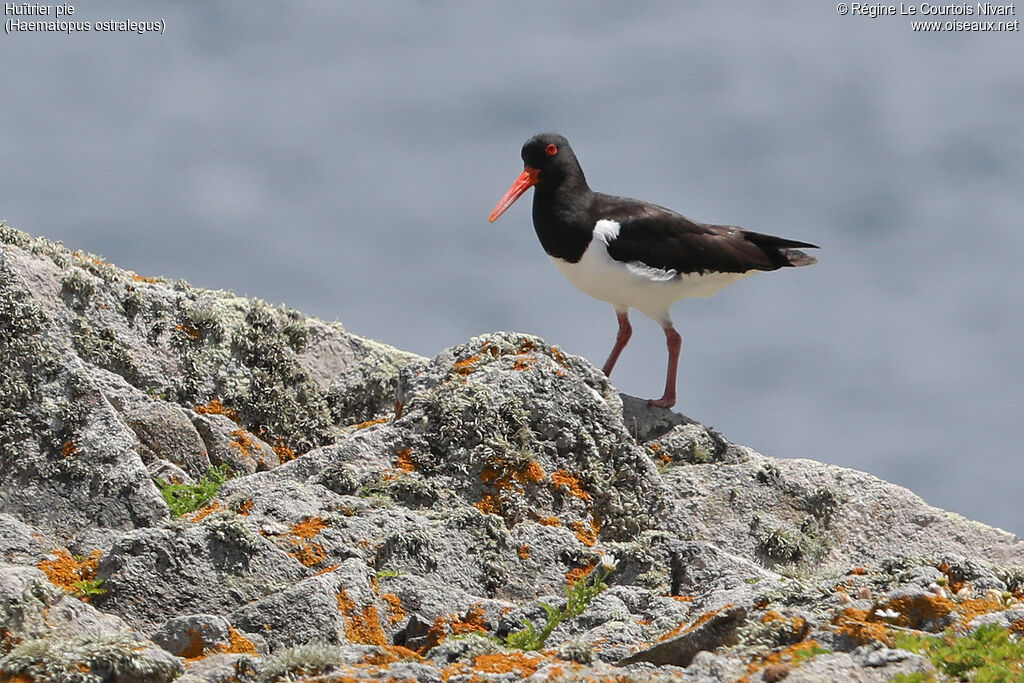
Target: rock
[(46, 630), (391, 516), (165, 433), (707, 633), (240, 450)]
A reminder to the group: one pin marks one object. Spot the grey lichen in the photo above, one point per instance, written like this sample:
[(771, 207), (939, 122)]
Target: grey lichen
[(309, 659), (89, 658), (279, 396), (29, 361)]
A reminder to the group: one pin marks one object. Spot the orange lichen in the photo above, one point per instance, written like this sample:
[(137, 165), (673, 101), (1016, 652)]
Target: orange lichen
[(969, 609), (246, 507), (684, 598), (1017, 626), (490, 504), (215, 407), (68, 449), (955, 585), (862, 626), (531, 473), (65, 571), (436, 634), (189, 331), (16, 678), (916, 609), (523, 364), (563, 480), (465, 366), (557, 354), (308, 553), (524, 551), (776, 665), (549, 521), (143, 278), (361, 626), (510, 662), (389, 654), (369, 423), (857, 571), (579, 573), (404, 461), (284, 454), (797, 625), (237, 644), (242, 443), (586, 533), (687, 626), (474, 620), (196, 648), (395, 610), (327, 570), (205, 511), (303, 549), (309, 527)]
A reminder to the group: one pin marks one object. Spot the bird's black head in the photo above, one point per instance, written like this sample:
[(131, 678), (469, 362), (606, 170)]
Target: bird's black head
[(549, 164), (551, 154)]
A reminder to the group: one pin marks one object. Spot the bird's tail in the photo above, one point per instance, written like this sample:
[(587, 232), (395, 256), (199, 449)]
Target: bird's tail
[(795, 257), (781, 251)]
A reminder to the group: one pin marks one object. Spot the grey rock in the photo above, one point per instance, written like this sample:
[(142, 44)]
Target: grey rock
[(391, 516), (208, 568), (229, 444), (166, 433), (189, 636), (706, 634)]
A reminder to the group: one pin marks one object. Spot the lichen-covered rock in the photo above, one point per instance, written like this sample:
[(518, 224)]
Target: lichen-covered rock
[(166, 433), (50, 636), (497, 512)]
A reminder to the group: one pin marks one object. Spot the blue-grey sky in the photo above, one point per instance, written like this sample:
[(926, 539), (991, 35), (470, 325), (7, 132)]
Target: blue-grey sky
[(341, 158)]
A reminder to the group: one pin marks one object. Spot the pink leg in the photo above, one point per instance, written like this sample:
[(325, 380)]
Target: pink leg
[(675, 342), (625, 332)]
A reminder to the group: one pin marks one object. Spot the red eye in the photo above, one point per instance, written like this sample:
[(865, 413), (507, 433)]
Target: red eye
[(551, 150)]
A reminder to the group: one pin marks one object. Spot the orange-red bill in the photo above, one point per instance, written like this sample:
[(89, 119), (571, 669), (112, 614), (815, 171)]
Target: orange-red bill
[(526, 180)]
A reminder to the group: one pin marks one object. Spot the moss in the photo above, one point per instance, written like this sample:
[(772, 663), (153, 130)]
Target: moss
[(990, 654)]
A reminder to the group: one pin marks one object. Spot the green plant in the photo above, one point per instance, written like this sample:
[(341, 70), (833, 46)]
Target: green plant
[(389, 574), (578, 596), (88, 588), (185, 498), (801, 656), (988, 655)]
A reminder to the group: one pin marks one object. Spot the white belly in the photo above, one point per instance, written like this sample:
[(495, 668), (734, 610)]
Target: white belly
[(633, 285)]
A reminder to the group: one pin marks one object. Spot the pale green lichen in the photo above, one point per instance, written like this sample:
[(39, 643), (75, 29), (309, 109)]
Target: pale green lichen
[(92, 658), (309, 659)]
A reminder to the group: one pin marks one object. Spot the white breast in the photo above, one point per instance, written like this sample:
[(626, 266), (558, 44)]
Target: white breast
[(652, 291)]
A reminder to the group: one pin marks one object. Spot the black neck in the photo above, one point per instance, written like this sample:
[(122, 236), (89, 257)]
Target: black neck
[(561, 217)]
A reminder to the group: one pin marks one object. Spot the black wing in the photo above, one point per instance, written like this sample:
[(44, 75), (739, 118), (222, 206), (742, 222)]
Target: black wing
[(661, 238)]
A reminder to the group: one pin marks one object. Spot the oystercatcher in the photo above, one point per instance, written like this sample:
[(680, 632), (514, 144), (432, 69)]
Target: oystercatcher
[(634, 254)]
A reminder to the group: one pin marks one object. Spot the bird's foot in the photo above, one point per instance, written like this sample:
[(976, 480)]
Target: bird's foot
[(663, 402)]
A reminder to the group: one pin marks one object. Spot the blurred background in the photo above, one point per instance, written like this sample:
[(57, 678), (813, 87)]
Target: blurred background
[(342, 158)]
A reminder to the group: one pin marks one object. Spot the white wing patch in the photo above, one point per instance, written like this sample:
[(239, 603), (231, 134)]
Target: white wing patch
[(650, 272), (606, 230)]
